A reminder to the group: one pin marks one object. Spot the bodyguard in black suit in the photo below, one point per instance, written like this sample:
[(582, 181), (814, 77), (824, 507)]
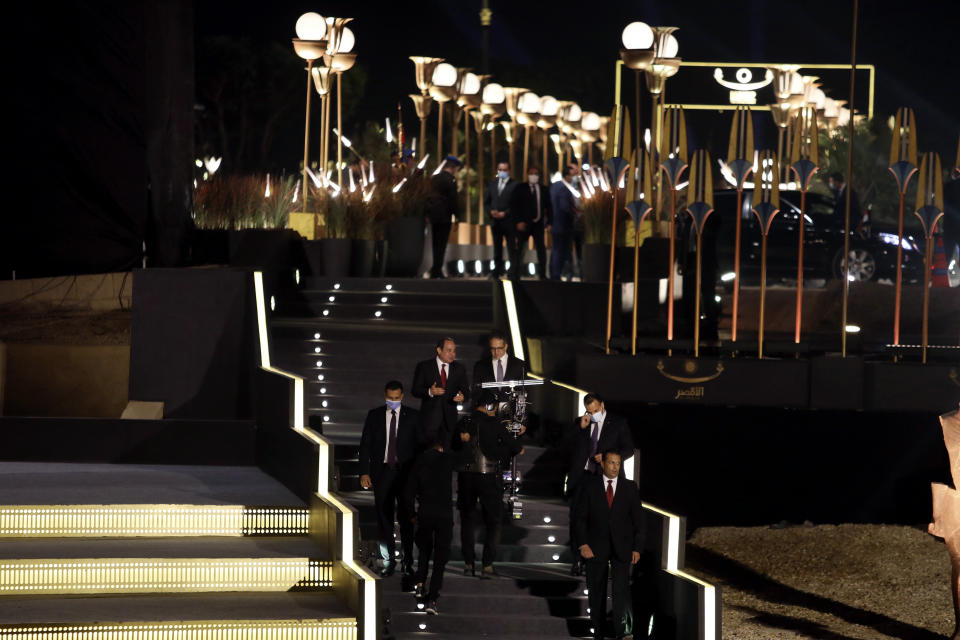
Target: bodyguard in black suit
[(530, 207), (496, 204), (499, 366), (387, 449), (595, 432), (441, 384), (441, 208), (610, 530)]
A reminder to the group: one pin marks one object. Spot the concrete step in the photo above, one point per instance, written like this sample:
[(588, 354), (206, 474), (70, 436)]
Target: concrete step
[(399, 285), (363, 312)]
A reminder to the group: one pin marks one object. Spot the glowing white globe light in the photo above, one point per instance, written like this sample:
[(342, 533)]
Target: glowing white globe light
[(493, 93), (529, 102), (445, 75), (670, 47), (470, 85), (311, 26), (590, 121), (573, 113), (549, 106), (347, 40), (637, 35), (819, 98)]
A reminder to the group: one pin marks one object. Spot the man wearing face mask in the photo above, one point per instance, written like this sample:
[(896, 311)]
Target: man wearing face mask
[(530, 207), (496, 202), (595, 431), (387, 448), (564, 214)]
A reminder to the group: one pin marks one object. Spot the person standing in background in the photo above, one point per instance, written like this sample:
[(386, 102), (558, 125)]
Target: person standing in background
[(496, 202)]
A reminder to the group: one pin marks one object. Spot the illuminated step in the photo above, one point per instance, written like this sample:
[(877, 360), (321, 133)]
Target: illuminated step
[(161, 565), (325, 629), (122, 520)]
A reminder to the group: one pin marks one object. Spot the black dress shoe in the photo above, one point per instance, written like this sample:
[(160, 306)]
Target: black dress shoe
[(388, 569), (468, 570), (488, 572)]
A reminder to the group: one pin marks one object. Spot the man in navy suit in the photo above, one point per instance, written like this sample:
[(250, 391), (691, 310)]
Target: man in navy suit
[(595, 431), (610, 530), (442, 385), (563, 205), (530, 206), (496, 203), (499, 366), (387, 449)]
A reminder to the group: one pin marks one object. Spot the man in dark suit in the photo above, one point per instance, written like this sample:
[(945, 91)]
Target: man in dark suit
[(610, 530), (596, 431), (387, 448), (499, 366), (441, 384), (496, 203), (441, 209), (839, 188), (563, 207), (530, 207)]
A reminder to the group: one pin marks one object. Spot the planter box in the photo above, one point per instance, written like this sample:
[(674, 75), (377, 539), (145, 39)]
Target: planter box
[(304, 223)]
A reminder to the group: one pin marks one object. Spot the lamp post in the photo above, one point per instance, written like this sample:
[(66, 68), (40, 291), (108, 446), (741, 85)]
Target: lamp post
[(590, 128), (443, 89), (321, 82), (568, 121), (528, 108), (903, 164), (548, 118), (424, 67), (929, 210), (511, 98), (338, 57), (637, 54), (309, 45), (664, 65), (469, 100), (492, 106)]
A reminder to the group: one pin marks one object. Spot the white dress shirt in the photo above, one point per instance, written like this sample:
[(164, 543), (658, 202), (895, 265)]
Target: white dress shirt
[(605, 485), (386, 426), (440, 365), (535, 189)]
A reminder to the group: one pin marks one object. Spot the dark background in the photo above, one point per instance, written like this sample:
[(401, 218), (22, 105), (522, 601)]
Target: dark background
[(105, 100)]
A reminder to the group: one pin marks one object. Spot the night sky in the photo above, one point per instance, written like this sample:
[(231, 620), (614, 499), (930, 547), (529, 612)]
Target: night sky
[(569, 50)]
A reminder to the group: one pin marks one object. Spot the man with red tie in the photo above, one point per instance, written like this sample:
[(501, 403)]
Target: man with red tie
[(610, 532), (442, 386), (387, 448)]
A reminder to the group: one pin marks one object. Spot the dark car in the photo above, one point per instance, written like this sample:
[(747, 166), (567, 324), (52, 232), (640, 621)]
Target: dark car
[(873, 252)]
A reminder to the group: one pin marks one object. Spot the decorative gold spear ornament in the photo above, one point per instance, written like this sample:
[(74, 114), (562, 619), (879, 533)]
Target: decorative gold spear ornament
[(616, 167), (673, 167), (740, 159), (638, 208), (701, 194), (766, 205), (903, 164), (804, 156), (929, 209)]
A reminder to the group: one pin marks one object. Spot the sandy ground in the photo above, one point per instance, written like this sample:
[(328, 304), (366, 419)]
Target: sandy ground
[(64, 326), (838, 582)]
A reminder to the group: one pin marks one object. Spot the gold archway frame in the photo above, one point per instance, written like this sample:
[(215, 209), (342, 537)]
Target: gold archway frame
[(662, 369)]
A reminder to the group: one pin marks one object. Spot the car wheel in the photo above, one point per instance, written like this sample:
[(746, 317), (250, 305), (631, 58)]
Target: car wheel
[(862, 265)]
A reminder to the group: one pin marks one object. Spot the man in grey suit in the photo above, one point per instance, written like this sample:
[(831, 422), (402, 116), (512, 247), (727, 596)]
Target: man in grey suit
[(496, 202)]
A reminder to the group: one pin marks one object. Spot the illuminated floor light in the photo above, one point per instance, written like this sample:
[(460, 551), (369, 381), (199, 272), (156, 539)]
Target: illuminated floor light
[(323, 389), (388, 287), (546, 519), (422, 626), (493, 265), (320, 377), (478, 266), (377, 314), (852, 328), (317, 349), (273, 303), (717, 299), (316, 336), (319, 363), (296, 275), (551, 539), (326, 312), (586, 592), (460, 266), (336, 285), (420, 606), (332, 298), (326, 418), (324, 404), (556, 556), (507, 265), (383, 299), (588, 610), (727, 277), (532, 269), (459, 407)]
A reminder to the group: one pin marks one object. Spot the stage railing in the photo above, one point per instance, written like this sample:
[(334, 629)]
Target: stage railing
[(301, 459)]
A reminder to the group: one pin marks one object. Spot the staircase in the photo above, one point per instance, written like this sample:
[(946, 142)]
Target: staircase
[(110, 551), (347, 338)]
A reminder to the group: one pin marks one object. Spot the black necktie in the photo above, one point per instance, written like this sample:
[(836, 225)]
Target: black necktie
[(392, 442)]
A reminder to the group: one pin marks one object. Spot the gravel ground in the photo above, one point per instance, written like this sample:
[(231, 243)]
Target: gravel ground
[(829, 581), (56, 325)]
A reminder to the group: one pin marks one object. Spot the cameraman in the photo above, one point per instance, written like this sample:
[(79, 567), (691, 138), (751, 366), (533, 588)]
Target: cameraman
[(486, 445)]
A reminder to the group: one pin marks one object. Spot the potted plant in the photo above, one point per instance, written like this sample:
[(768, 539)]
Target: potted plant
[(330, 254), (404, 233)]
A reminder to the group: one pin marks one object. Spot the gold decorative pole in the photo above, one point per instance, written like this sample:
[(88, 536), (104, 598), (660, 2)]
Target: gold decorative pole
[(673, 135), (424, 67), (701, 190), (804, 156), (309, 50), (306, 136), (929, 210), (740, 160), (340, 41), (421, 105), (321, 82), (638, 210), (511, 100), (849, 188), (765, 208), (903, 164), (469, 99)]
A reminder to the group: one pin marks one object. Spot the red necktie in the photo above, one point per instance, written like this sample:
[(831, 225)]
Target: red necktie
[(610, 493), (443, 376)]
